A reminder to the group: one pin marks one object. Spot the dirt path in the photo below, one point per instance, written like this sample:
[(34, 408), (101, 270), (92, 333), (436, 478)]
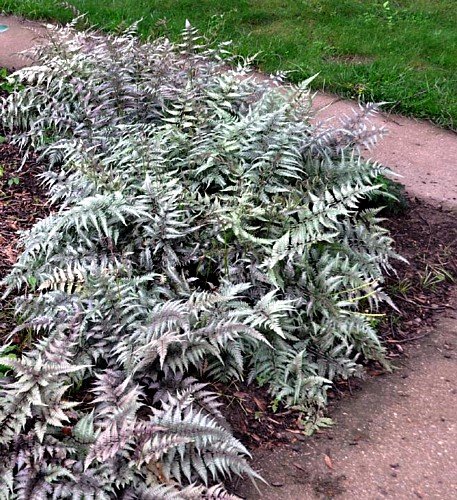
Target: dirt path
[(396, 438)]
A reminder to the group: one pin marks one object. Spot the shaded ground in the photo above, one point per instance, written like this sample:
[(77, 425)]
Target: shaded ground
[(22, 202)]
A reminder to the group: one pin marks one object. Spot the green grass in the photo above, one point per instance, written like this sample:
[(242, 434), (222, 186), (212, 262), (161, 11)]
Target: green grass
[(402, 51)]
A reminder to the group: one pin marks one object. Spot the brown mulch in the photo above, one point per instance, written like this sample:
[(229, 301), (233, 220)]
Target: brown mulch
[(22, 203), (427, 237)]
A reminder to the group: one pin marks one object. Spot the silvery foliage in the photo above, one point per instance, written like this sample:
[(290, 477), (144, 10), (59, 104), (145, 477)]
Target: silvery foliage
[(204, 231)]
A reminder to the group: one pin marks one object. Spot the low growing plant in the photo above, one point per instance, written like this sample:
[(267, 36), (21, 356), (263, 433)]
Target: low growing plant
[(204, 231), (392, 197)]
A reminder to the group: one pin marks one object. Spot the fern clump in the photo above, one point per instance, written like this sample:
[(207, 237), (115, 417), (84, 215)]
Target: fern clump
[(204, 231)]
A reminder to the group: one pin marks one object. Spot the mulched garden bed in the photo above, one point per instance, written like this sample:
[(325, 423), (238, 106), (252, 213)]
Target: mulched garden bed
[(425, 235), (22, 203)]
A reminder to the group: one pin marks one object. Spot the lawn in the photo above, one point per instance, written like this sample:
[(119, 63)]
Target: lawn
[(402, 51)]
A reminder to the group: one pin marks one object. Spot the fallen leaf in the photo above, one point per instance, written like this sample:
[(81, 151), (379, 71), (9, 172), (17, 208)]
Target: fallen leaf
[(328, 461), (299, 467), (241, 395), (294, 431), (261, 405)]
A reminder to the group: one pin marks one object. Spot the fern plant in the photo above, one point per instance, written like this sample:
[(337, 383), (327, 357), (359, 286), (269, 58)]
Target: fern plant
[(204, 231)]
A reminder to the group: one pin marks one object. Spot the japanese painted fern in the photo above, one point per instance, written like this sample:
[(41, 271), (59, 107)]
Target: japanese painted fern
[(204, 231)]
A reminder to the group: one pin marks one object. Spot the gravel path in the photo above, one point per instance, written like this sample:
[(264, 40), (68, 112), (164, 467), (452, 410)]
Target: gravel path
[(397, 438)]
